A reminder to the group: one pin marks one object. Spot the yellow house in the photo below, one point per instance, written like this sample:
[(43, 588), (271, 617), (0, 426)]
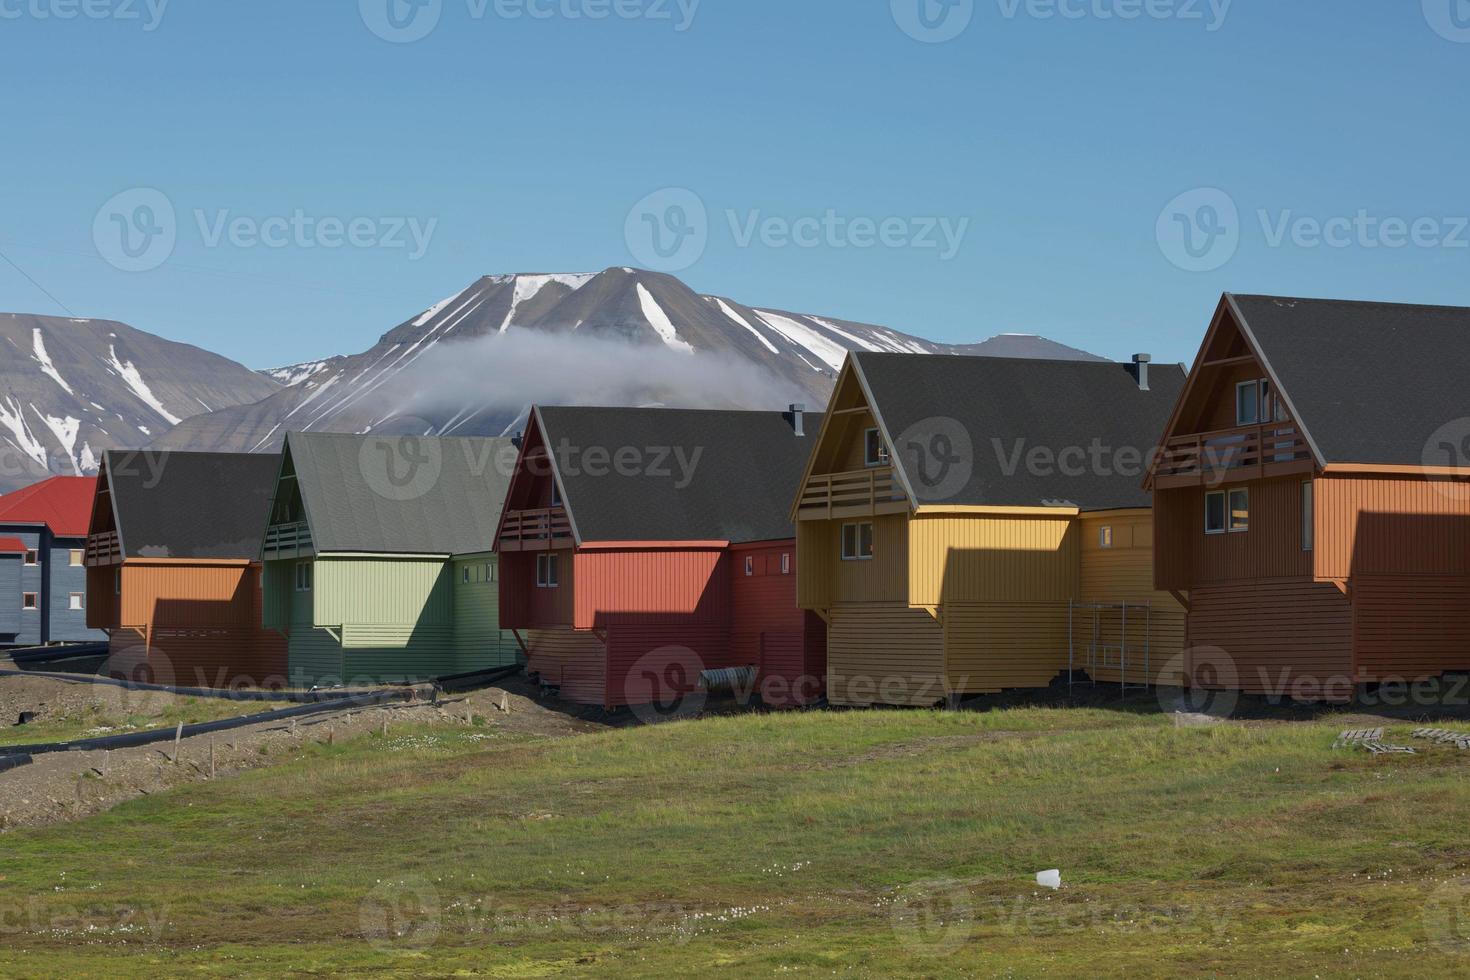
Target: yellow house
[(968, 525)]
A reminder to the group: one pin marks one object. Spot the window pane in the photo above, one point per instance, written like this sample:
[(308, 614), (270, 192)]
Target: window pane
[(1214, 513), (1240, 510), (1105, 537), (552, 570), (76, 559), (866, 547), (76, 601), (849, 541), (1308, 509), (873, 447), (1246, 412)]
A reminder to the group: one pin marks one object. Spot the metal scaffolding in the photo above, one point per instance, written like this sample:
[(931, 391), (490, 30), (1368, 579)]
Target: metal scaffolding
[(1097, 653)]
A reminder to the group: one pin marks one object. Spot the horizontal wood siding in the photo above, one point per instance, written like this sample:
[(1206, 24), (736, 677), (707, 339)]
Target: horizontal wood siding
[(994, 646), (1124, 574), (648, 587), (1289, 638), (651, 663), (10, 596), (884, 653), (218, 658), (1409, 628), (1392, 526), (315, 658), (970, 558), (575, 661)]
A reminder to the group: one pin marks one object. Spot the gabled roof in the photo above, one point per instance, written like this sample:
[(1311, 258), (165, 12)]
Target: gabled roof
[(62, 503), (12, 546), (401, 494), (699, 475), (1368, 382), (203, 506), (1009, 408)]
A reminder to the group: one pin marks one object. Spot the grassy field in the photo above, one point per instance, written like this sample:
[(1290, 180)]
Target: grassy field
[(117, 712), (863, 843)]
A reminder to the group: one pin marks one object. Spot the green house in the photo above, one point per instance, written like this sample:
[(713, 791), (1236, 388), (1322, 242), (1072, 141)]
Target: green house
[(378, 563)]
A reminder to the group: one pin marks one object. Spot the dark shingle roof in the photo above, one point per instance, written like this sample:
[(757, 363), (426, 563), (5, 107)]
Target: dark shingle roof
[(1370, 382), (191, 505), (702, 475), (442, 496), (1008, 409)]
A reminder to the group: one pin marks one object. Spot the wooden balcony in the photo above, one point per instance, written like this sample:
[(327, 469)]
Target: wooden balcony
[(857, 493), (536, 530), (103, 549), (1250, 452), (288, 541)]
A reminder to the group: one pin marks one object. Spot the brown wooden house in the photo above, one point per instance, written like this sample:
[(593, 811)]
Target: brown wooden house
[(1310, 503)]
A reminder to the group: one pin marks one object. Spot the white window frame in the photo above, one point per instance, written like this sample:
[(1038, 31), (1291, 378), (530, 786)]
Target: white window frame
[(78, 558), (749, 565), (785, 563), (489, 571), (1224, 512), (857, 540), (465, 575), (1230, 510), (34, 599), (33, 557), (882, 458), (77, 602), (1105, 536), (548, 571), (1309, 515), (1255, 387)]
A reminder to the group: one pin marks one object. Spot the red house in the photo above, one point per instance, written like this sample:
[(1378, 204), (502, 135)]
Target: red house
[(642, 548)]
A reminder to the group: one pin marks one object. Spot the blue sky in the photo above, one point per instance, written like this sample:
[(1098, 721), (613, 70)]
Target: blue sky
[(1074, 145)]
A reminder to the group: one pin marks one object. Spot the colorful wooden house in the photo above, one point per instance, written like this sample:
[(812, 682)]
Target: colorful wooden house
[(43, 581), (1312, 503), (378, 557), (172, 575), (969, 525), (642, 548)]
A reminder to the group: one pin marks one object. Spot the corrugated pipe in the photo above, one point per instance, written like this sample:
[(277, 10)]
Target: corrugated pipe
[(9, 762)]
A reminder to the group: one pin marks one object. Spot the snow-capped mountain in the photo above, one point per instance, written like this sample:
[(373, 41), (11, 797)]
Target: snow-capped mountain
[(70, 389), (469, 364)]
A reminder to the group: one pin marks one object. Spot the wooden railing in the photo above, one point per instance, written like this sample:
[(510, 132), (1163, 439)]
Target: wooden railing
[(103, 549), (856, 492), (1242, 453), (536, 530), (288, 540)]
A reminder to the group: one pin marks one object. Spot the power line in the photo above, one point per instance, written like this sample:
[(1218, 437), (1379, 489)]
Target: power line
[(32, 281)]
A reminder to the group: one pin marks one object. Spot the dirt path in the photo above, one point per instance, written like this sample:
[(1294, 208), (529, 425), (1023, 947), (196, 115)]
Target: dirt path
[(64, 786)]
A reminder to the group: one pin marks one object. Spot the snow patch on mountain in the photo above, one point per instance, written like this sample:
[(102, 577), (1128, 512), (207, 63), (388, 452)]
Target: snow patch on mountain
[(12, 417), (44, 359), (660, 321), (292, 374), (134, 380), (65, 430), (725, 308), (828, 352), (529, 287)]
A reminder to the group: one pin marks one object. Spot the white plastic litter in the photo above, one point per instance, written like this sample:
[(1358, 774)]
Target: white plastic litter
[(1049, 879)]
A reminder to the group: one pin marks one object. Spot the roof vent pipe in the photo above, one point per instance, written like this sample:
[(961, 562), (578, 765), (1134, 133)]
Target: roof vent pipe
[(798, 413), (1140, 368)]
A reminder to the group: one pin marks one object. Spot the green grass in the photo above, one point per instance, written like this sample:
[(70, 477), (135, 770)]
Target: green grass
[(129, 711), (864, 843)]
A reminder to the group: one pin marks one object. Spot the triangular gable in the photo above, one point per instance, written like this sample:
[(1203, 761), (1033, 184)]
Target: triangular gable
[(105, 515), (535, 446), (282, 509)]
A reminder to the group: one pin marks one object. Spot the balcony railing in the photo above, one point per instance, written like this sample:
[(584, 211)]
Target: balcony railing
[(536, 530), (288, 540), (103, 549), (1243, 453), (852, 494)]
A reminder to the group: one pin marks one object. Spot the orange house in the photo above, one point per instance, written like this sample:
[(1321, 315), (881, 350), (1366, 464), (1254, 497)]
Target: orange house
[(1312, 497), (173, 575)]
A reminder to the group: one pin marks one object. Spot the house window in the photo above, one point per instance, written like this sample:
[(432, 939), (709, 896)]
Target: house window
[(874, 452), (1215, 512), (555, 493), (303, 576), (465, 575), (1247, 403), (786, 564), (30, 600), (77, 602), (857, 542), (32, 558), (1105, 536), (117, 581), (749, 564), (547, 573), (76, 558), (1240, 510), (489, 571), (1308, 512)]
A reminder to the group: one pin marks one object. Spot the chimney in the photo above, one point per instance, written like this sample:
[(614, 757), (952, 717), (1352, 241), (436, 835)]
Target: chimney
[(1140, 368), (798, 414)]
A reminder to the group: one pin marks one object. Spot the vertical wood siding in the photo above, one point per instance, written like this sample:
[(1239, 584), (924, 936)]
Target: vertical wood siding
[(970, 558), (383, 591), (479, 642), (1271, 549), (1124, 573), (884, 653), (769, 631), (1392, 526), (631, 586)]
